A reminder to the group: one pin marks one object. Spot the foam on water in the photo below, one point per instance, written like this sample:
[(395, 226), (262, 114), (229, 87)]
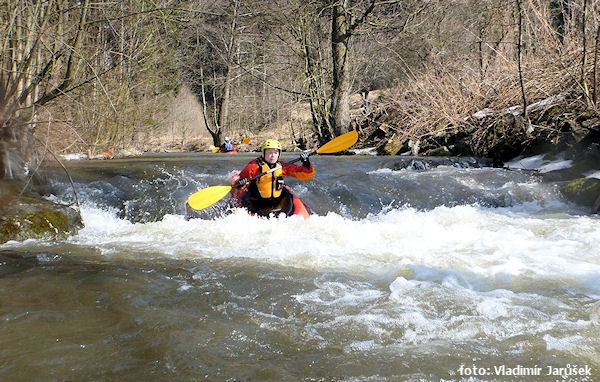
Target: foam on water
[(472, 246), (402, 279), (538, 163)]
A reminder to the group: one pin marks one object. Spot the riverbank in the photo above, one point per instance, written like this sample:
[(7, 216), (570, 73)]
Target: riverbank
[(561, 128)]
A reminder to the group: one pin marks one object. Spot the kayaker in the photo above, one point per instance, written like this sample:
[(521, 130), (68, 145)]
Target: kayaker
[(227, 146), (266, 191)]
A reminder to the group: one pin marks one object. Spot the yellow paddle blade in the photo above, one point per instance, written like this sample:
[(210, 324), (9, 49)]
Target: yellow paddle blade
[(215, 149), (340, 143), (246, 141), (199, 200)]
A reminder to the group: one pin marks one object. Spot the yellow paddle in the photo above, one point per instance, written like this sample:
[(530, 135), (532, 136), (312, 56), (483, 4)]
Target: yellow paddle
[(206, 197)]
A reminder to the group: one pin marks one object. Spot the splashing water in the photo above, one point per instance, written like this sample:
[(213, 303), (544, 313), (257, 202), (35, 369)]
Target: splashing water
[(404, 274)]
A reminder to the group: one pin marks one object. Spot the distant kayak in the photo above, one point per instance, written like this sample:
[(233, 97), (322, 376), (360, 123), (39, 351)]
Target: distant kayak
[(234, 150), (217, 150)]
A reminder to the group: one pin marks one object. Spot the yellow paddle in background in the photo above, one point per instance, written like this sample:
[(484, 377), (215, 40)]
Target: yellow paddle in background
[(206, 197)]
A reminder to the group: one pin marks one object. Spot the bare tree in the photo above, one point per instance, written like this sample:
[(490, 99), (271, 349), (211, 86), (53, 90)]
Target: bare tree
[(41, 44), (209, 62), (344, 25), (128, 104), (321, 33), (59, 50)]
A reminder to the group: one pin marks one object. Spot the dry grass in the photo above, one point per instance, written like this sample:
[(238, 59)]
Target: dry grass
[(444, 99)]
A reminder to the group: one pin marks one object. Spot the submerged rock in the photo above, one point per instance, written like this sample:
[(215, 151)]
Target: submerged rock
[(25, 217)]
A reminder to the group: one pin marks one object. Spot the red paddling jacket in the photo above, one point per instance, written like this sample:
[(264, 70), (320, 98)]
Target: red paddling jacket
[(267, 189)]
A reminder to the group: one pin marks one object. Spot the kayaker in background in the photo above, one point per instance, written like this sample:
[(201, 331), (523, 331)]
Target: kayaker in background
[(227, 146), (266, 191)]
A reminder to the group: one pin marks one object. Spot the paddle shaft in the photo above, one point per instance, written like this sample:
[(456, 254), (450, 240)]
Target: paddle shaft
[(236, 185)]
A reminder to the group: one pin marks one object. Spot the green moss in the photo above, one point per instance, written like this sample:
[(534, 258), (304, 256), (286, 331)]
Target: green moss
[(578, 186), (8, 230), (393, 147), (48, 221), (583, 191), (42, 223)]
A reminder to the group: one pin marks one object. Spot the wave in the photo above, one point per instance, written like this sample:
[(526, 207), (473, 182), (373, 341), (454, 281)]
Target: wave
[(483, 247)]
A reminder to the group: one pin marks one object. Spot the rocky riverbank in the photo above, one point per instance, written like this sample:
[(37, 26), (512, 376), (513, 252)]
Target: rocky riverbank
[(560, 128)]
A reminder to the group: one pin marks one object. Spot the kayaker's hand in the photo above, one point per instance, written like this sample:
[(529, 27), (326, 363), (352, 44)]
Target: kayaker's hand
[(304, 158), (242, 182)]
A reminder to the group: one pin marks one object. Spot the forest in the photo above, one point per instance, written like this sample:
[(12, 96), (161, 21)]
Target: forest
[(435, 77)]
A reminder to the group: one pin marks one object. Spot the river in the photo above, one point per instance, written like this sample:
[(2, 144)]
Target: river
[(409, 271)]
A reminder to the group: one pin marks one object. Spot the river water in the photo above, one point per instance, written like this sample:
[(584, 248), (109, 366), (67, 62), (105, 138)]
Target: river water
[(409, 271)]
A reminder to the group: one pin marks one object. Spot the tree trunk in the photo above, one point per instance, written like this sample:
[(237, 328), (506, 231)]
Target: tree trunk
[(340, 36), (318, 110), (215, 133), (584, 84), (595, 69), (223, 121), (520, 57)]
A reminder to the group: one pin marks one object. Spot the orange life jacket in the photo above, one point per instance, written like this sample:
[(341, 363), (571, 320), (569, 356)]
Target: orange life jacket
[(269, 185)]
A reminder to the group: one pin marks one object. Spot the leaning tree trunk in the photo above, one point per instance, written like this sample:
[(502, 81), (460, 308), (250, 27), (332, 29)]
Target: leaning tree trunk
[(215, 132)]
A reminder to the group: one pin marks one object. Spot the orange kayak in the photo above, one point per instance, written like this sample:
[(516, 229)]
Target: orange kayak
[(289, 205)]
